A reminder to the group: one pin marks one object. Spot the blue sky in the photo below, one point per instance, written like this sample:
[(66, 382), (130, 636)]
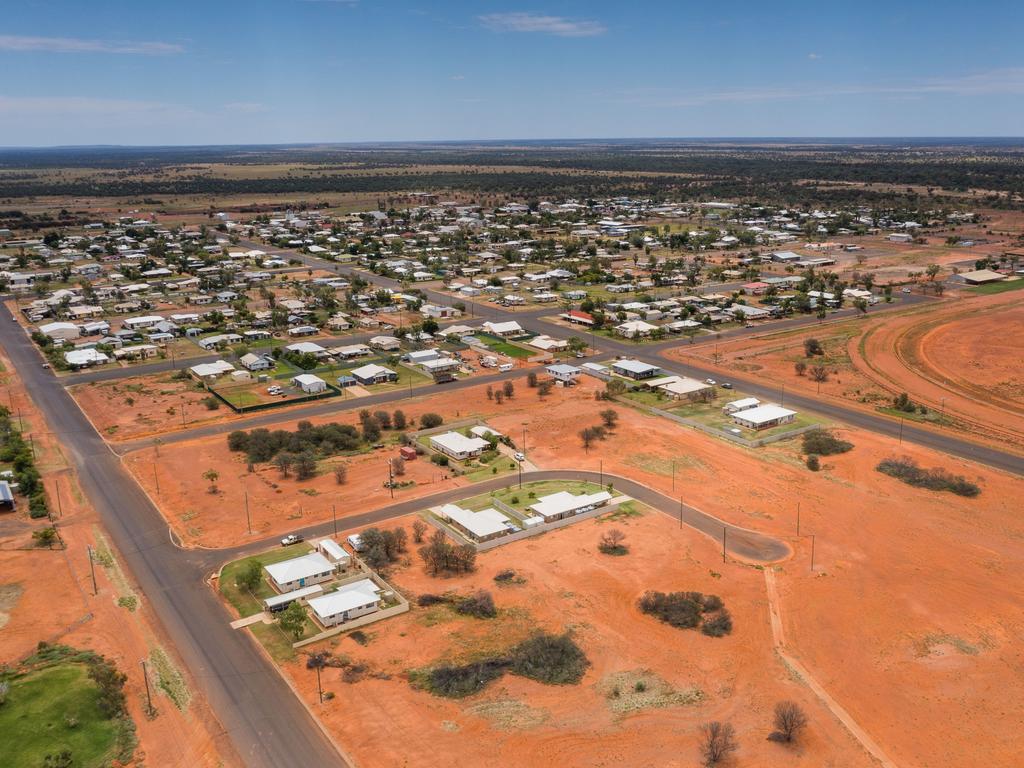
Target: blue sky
[(278, 71)]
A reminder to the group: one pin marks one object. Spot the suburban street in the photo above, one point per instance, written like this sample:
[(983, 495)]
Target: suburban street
[(267, 724)]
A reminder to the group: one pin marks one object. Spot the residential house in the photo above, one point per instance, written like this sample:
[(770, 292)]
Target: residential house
[(458, 446)]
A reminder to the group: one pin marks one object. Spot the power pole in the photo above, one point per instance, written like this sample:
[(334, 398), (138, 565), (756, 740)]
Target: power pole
[(319, 687), (391, 480), (156, 479), (60, 507), (248, 517), (149, 698), (92, 571), (812, 553), (334, 519)]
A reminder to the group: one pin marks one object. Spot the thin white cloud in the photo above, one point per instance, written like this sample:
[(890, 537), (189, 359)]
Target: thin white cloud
[(1008, 81), (246, 107), (542, 24), (458, 77), (19, 107), (25, 43), (813, 56)]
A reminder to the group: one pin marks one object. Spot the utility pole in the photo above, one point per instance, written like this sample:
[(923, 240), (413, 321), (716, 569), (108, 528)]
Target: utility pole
[(248, 518), (92, 571), (149, 698), (156, 479), (812, 553), (334, 519), (391, 481), (60, 507), (319, 688)]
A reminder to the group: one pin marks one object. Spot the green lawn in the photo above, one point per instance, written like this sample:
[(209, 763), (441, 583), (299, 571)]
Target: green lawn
[(34, 721), (278, 642), (240, 398), (1000, 287), (249, 603), (931, 417), (506, 348)]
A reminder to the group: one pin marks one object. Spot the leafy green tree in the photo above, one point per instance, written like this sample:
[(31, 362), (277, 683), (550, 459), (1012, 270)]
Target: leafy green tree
[(293, 619)]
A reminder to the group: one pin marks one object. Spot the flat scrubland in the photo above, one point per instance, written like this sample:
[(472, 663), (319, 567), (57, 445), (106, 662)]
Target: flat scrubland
[(47, 595), (955, 357), (912, 607)]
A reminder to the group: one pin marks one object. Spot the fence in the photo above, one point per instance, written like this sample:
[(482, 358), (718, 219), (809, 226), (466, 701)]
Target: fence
[(757, 443), (483, 546), (332, 391), (362, 621)]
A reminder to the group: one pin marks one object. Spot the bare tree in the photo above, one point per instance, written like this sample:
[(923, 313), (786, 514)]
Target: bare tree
[(790, 720), (612, 542), (719, 741), (418, 529), (819, 373), (800, 367), (610, 416), (340, 473)]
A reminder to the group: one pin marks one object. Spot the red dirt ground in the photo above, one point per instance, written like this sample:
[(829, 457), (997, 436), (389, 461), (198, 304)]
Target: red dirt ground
[(568, 585)]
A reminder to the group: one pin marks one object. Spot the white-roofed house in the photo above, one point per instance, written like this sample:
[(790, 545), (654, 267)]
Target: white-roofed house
[(309, 383), (300, 572), (508, 328), (563, 504), (743, 404), (632, 329), (308, 348), (458, 446), (349, 601), (567, 374), (386, 343), (207, 371), (254, 362), (764, 417), (334, 552), (373, 374), (479, 526), (61, 330), (83, 358)]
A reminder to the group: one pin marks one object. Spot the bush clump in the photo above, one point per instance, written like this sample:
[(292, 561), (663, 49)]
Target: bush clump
[(824, 443), (934, 479), (688, 610), (480, 605), (456, 682), (551, 659)]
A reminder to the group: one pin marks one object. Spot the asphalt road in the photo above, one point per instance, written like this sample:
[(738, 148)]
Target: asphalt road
[(739, 542), (267, 724)]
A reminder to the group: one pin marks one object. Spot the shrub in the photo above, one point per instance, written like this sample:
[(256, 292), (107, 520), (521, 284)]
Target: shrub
[(936, 479), (612, 543), (479, 605), (824, 443), (508, 576), (551, 659), (431, 420), (801, 367), (687, 610), (211, 403), (813, 347), (819, 373), (456, 682), (427, 600), (718, 625), (902, 402), (440, 459), (717, 743), (813, 463)]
